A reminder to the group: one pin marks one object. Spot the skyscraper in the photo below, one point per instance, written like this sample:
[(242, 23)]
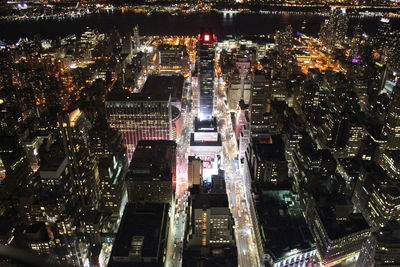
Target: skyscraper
[(195, 171), (382, 36), (147, 115), (152, 114), (107, 146), (136, 40), (382, 247), (75, 133), (60, 208), (14, 165), (338, 233), (205, 64), (391, 127), (172, 59), (210, 221), (376, 196), (209, 236), (333, 31), (152, 172), (142, 236)]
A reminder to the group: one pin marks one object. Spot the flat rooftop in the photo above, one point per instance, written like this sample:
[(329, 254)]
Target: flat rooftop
[(169, 47), (160, 87), (271, 149), (209, 125), (205, 143), (337, 229), (156, 88), (153, 158), (222, 257), (201, 201), (53, 165), (283, 223), (141, 234), (350, 165)]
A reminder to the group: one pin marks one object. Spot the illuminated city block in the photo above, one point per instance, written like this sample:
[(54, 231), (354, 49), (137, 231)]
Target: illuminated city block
[(206, 144)]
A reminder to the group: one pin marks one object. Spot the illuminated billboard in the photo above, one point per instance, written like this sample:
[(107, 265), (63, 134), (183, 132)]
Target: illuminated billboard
[(206, 137)]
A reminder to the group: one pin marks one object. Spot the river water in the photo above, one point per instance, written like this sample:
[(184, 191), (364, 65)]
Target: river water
[(166, 24)]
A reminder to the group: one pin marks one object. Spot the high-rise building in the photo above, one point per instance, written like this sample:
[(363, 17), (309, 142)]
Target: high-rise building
[(356, 42), (142, 236), (152, 114), (382, 36), (31, 145), (206, 69), (284, 41), (172, 59), (195, 171), (136, 38), (269, 162), (376, 196), (338, 234), (259, 101), (210, 221), (390, 162), (333, 31), (152, 172), (37, 238), (75, 128), (107, 146), (14, 166), (390, 53), (391, 128), (209, 226), (58, 202), (262, 120), (126, 48), (382, 247), (283, 233)]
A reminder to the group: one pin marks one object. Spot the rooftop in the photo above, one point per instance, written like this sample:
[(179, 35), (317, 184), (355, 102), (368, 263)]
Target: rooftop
[(156, 88), (37, 233), (271, 148), (205, 143), (350, 165), (336, 227), (201, 201), (153, 158), (169, 47), (141, 234), (205, 125), (58, 163), (283, 223), (161, 87), (226, 256)]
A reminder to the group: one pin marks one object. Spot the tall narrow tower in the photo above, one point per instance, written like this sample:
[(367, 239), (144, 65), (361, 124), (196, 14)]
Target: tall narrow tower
[(136, 40), (205, 61)]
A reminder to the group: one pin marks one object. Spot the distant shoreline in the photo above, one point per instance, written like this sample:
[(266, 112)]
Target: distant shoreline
[(154, 22)]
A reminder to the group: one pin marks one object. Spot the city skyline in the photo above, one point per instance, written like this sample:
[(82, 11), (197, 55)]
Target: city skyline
[(275, 145)]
